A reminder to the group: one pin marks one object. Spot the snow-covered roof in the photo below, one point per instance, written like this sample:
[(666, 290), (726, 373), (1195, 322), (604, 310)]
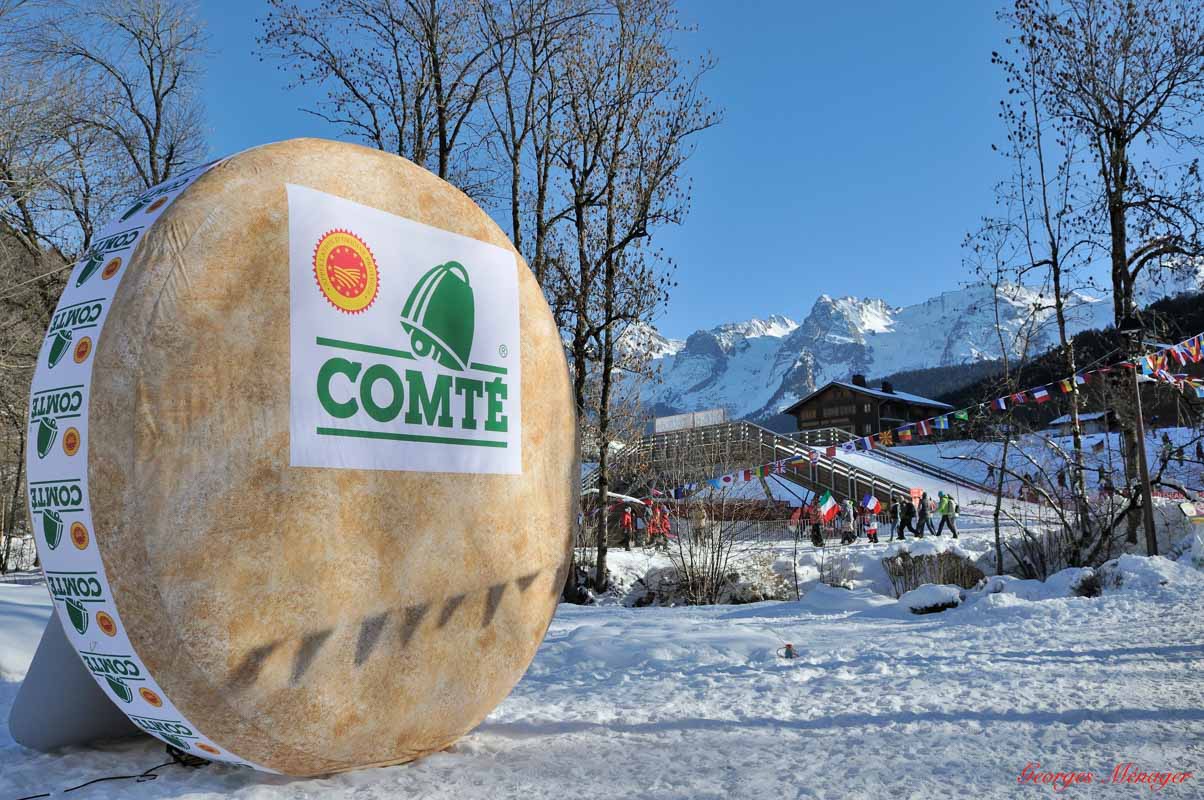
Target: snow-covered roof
[(906, 397), (1065, 418)]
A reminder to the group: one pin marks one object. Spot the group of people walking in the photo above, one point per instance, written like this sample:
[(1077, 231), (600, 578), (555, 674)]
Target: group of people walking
[(916, 516), (903, 515)]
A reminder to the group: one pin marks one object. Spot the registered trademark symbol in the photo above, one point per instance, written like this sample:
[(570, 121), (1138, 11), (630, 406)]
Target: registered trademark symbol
[(503, 351)]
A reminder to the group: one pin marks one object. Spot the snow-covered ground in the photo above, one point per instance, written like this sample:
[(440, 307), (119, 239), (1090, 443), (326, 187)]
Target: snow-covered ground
[(694, 702)]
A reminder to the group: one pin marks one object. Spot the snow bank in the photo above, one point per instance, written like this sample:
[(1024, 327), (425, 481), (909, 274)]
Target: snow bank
[(1149, 573), (930, 598)]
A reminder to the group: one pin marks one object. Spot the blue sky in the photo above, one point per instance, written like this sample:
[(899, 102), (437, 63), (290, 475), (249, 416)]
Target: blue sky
[(853, 157)]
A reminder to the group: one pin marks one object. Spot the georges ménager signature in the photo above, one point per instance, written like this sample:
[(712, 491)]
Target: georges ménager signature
[(1121, 773)]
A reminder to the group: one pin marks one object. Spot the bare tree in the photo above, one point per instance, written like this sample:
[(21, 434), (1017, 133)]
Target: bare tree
[(631, 108), (140, 61), (406, 76), (1129, 79)]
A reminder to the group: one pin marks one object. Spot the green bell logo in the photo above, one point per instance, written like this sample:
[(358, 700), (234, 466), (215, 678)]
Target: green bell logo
[(77, 612), (439, 316), (90, 268), (60, 346), (174, 741), (48, 431), (52, 527), (120, 689)]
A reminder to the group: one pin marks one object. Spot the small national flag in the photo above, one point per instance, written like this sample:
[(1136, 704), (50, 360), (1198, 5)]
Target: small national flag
[(1040, 395), (923, 427), (1019, 399), (904, 434), (1195, 348), (1164, 376), (849, 447), (1199, 390), (814, 456), (831, 451), (871, 504), (728, 480), (887, 438), (963, 415), (941, 423), (827, 506), (1178, 353), (1065, 385), (779, 467), (865, 443), (1080, 379), (749, 473), (999, 404), (1095, 448)]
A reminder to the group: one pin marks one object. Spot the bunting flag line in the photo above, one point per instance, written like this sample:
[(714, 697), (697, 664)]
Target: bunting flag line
[(1154, 366)]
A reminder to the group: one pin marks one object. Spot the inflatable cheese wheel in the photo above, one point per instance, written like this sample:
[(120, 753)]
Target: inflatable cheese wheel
[(315, 506)]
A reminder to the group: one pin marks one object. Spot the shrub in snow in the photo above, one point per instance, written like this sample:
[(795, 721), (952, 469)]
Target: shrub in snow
[(931, 598), (908, 568)]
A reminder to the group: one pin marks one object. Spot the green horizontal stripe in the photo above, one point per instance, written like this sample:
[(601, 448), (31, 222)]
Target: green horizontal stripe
[(407, 437), (363, 348), (59, 389), (488, 368)]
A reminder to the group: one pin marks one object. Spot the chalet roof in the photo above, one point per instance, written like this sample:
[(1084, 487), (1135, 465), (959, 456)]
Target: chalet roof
[(906, 397)]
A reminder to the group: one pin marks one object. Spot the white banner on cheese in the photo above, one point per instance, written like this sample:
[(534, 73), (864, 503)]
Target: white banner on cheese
[(404, 343)]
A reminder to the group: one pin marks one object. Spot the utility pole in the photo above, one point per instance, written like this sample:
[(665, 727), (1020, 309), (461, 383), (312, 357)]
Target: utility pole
[(1132, 328)]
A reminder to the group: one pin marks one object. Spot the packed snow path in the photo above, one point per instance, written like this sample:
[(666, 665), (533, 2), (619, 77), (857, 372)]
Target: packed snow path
[(693, 703)]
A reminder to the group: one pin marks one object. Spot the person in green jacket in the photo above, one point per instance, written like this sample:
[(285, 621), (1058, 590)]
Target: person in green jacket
[(946, 508)]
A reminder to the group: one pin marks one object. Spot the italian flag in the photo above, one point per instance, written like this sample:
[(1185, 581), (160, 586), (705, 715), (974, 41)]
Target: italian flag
[(827, 506)]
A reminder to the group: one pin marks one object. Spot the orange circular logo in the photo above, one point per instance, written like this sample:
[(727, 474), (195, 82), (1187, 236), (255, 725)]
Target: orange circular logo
[(346, 271), (71, 441), (150, 697), (79, 535), (208, 748), (111, 268), (83, 348), (106, 624), (155, 206)]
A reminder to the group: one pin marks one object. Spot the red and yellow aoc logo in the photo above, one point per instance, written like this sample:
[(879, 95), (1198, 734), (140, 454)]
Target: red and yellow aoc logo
[(346, 271)]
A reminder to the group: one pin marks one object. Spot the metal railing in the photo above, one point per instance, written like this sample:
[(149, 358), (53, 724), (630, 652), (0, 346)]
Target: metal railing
[(929, 468), (742, 445)]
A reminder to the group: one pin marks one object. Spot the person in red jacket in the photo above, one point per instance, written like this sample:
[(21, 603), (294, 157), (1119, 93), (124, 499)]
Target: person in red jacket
[(628, 525)]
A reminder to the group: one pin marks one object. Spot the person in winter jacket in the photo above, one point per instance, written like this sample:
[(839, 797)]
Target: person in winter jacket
[(628, 525), (923, 520), (947, 510), (907, 514), (817, 520)]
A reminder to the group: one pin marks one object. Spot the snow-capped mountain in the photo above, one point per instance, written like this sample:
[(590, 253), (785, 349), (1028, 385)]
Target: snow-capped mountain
[(756, 368)]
